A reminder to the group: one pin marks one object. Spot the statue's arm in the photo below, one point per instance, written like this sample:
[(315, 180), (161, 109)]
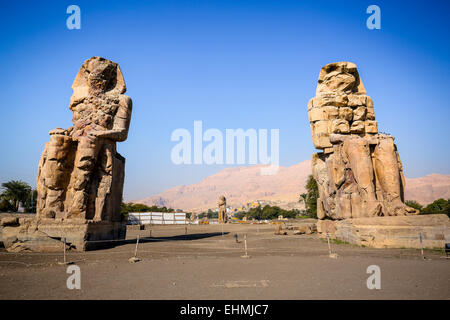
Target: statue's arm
[(121, 121)]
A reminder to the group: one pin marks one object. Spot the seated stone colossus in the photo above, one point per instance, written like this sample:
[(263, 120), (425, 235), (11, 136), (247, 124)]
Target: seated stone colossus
[(80, 173), (358, 172)]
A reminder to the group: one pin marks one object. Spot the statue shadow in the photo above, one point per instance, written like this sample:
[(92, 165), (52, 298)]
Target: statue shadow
[(98, 245)]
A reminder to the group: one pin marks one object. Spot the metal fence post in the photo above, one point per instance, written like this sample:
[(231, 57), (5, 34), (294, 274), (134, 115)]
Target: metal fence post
[(65, 262), (421, 245), (245, 247)]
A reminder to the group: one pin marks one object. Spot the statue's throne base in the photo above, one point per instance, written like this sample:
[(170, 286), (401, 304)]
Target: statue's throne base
[(431, 231), (51, 235)]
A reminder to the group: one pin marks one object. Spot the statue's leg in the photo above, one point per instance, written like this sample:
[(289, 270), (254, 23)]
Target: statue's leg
[(389, 176), (104, 175), (365, 202), (40, 186), (79, 186), (53, 175), (325, 201)]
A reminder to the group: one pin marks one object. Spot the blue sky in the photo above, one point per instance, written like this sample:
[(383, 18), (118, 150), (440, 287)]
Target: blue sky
[(231, 64)]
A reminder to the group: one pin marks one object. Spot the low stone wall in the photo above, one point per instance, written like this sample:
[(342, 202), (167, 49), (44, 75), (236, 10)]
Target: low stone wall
[(391, 232)]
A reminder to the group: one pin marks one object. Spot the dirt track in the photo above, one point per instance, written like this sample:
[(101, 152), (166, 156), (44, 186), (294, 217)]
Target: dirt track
[(206, 265)]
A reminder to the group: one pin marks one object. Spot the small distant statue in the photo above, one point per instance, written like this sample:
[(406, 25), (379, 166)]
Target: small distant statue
[(223, 218), (193, 217), (80, 172)]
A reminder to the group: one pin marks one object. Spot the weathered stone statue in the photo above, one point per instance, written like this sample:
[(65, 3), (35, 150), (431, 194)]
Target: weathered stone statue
[(222, 210), (80, 173), (80, 177), (359, 172)]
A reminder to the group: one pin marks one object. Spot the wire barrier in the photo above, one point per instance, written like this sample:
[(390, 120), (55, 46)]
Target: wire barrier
[(68, 255)]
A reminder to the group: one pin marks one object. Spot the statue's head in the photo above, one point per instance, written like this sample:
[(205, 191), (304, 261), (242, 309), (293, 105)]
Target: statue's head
[(102, 74), (97, 75), (340, 77)]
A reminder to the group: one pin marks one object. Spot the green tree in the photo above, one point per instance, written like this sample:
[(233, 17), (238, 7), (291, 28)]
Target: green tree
[(5, 205), (312, 195), (212, 215), (440, 206), (241, 214), (414, 204), (268, 213), (201, 215), (31, 202), (16, 192), (255, 213), (302, 198), (139, 207)]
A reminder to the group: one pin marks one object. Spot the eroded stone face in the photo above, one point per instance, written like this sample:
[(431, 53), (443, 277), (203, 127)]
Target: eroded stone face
[(359, 173), (80, 173)]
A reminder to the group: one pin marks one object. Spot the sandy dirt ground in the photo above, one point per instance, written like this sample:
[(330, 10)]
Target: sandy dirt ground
[(204, 264)]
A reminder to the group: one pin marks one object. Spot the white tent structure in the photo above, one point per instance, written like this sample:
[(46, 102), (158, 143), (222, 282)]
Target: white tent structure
[(157, 218)]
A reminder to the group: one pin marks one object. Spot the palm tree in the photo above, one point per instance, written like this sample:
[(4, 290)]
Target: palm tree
[(16, 191), (302, 198)]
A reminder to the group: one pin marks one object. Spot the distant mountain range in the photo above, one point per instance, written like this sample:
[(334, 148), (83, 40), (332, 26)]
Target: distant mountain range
[(242, 185), (428, 188)]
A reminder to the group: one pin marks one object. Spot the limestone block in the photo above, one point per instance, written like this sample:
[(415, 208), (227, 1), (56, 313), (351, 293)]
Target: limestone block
[(357, 127), (369, 102), (329, 100), (355, 100), (317, 114), (320, 127), (370, 114), (359, 113), (339, 126), (371, 126), (321, 141), (9, 221), (326, 226), (346, 113), (306, 228), (331, 112)]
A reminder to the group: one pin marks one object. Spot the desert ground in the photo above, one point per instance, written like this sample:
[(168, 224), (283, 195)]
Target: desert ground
[(206, 264)]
